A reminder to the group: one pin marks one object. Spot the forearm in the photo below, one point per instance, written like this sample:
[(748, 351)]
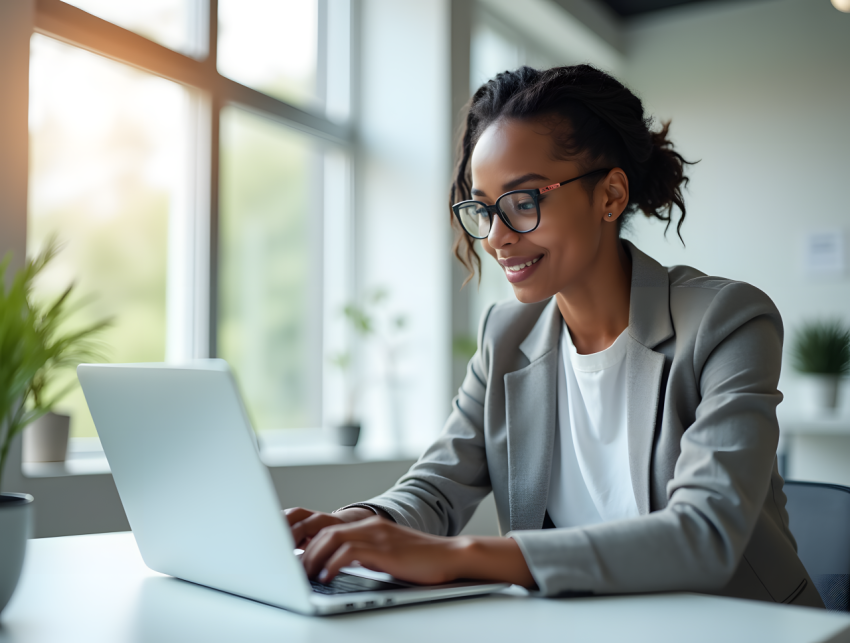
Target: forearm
[(491, 558), (681, 548)]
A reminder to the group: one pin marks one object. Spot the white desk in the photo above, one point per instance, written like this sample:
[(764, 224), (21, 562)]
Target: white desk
[(96, 589)]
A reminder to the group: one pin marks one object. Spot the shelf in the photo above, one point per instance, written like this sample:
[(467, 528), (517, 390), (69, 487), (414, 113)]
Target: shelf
[(800, 423)]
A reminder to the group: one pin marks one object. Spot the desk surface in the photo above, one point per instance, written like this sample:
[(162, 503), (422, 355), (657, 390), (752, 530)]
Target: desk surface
[(96, 589)]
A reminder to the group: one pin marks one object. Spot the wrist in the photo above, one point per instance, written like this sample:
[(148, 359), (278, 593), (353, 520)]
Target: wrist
[(490, 558), (465, 554), (354, 514)]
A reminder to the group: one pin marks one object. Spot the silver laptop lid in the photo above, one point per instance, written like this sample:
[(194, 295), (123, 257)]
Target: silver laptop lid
[(200, 502)]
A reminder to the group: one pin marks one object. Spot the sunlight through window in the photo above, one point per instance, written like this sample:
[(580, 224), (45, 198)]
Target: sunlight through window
[(107, 165)]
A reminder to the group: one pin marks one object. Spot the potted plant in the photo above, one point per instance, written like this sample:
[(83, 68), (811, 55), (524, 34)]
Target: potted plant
[(363, 319), (33, 347), (348, 433), (46, 439), (821, 351)]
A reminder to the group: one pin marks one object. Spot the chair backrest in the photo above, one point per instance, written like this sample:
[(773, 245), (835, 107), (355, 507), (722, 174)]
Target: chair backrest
[(819, 518)]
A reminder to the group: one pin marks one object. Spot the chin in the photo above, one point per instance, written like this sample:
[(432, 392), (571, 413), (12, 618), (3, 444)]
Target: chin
[(530, 295)]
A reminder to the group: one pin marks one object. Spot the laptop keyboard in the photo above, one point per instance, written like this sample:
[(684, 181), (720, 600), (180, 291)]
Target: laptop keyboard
[(347, 584)]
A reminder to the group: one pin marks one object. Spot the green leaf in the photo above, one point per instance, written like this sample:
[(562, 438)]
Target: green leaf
[(822, 347), (358, 318), (34, 347), (379, 295), (341, 360)]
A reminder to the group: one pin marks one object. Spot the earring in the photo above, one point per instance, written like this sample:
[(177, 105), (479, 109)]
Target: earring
[(609, 214)]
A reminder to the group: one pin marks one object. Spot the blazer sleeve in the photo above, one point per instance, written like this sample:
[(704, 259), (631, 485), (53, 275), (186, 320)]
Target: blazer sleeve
[(720, 480), (441, 491)]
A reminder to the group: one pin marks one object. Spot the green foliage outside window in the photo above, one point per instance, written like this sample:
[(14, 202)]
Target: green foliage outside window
[(269, 267)]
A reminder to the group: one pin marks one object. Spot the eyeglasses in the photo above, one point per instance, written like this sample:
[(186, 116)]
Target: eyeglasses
[(518, 209)]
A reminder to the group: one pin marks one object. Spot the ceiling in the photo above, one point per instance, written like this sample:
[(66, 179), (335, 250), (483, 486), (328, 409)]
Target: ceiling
[(629, 8)]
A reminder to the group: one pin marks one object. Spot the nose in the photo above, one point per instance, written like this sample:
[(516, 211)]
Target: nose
[(500, 234)]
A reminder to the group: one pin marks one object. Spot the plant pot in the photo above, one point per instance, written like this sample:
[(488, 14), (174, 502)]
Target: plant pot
[(46, 439), (347, 434), (16, 517), (820, 392)]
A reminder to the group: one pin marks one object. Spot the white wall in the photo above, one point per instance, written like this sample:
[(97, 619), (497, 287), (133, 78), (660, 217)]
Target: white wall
[(759, 92), (402, 227)]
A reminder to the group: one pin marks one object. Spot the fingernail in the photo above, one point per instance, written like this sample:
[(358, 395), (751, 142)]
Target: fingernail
[(323, 576)]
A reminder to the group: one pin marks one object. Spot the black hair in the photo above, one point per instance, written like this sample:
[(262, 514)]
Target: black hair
[(595, 120)]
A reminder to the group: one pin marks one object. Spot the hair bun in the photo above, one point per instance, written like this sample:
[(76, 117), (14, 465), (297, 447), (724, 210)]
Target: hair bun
[(661, 187)]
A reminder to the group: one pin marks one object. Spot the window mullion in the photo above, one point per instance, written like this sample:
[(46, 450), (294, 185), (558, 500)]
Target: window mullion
[(269, 107), (74, 26), (212, 31), (212, 264), (206, 339)]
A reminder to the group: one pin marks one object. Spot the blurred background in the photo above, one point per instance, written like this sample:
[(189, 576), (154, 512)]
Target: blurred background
[(266, 181)]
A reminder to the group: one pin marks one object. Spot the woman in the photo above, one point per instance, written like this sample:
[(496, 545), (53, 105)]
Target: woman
[(622, 413)]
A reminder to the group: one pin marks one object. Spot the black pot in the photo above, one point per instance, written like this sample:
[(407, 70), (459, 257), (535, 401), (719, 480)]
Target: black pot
[(348, 434), (16, 518)]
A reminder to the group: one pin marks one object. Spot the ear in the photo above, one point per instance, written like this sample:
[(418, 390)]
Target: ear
[(613, 195)]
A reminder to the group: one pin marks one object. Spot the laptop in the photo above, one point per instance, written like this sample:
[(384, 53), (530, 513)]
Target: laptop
[(200, 501)]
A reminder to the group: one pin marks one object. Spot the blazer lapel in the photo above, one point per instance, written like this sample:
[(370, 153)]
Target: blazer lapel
[(644, 369), (530, 411), (649, 325)]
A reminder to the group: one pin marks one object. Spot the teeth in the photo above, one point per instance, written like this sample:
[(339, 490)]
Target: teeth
[(522, 265)]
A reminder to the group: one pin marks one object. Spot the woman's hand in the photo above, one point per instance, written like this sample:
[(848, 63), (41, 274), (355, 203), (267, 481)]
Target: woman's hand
[(383, 546), (306, 523), (413, 556)]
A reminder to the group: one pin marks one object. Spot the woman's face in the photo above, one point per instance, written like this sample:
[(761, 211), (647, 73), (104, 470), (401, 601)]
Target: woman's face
[(513, 155)]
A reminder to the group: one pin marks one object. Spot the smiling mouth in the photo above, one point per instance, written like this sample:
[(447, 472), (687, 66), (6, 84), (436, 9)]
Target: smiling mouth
[(522, 265)]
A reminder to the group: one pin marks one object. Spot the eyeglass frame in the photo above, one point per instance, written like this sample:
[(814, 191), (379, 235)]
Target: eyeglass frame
[(535, 195)]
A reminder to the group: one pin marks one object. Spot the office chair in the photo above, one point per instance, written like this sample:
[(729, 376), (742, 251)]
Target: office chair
[(819, 518)]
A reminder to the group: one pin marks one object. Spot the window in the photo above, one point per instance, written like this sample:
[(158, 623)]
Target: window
[(106, 170), (270, 281), (176, 24), (195, 194), (253, 50)]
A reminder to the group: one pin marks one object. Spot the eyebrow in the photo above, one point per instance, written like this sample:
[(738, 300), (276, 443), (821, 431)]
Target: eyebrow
[(511, 185)]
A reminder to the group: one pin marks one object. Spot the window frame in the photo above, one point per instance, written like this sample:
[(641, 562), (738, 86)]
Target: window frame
[(210, 92)]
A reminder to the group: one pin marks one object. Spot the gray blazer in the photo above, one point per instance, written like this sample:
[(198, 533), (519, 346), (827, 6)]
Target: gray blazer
[(702, 434)]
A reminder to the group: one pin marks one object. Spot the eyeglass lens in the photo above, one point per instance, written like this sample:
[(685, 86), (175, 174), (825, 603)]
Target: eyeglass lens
[(519, 208)]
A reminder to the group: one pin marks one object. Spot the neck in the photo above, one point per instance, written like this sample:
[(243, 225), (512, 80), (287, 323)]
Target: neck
[(596, 307)]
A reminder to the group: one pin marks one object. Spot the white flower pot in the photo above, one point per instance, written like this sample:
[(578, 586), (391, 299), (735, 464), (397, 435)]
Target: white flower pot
[(820, 392), (46, 439), (16, 518)]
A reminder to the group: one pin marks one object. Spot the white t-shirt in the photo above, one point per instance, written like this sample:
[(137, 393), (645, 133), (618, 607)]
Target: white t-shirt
[(590, 480)]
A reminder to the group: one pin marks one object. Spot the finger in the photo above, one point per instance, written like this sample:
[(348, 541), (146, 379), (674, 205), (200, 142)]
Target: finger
[(327, 541), (324, 544), (308, 528), (364, 553), (296, 514), (318, 549)]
